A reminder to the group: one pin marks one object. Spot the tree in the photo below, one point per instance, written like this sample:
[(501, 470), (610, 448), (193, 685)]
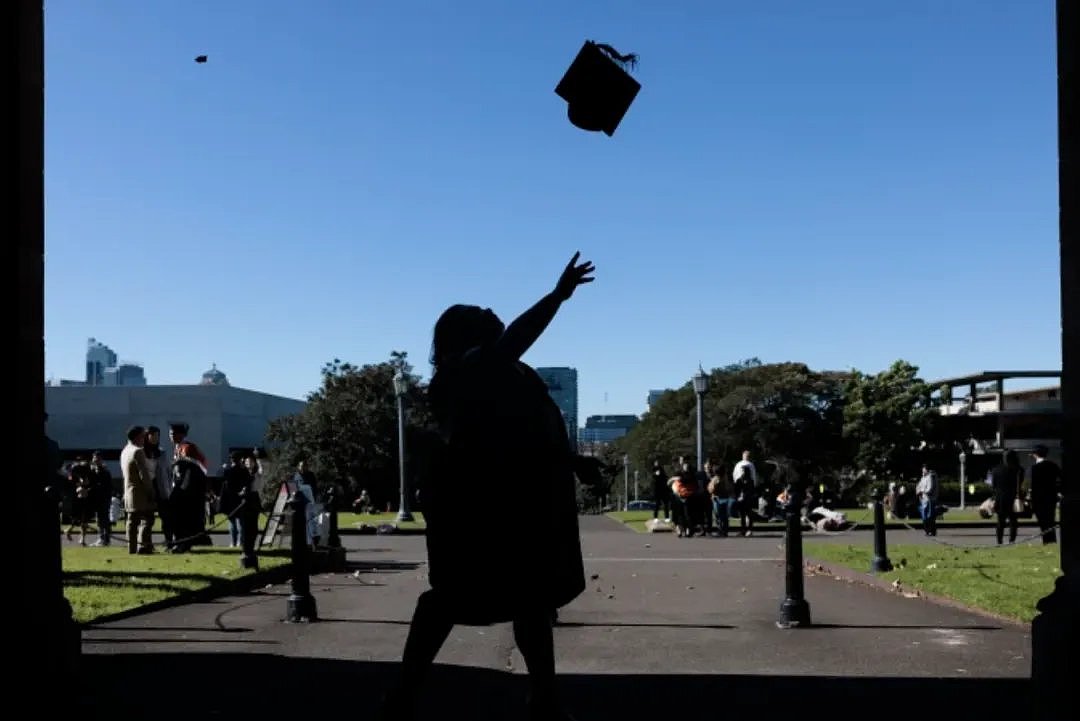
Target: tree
[(886, 417), (348, 432), (778, 410)]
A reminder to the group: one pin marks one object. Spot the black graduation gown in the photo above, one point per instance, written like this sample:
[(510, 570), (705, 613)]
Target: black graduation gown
[(516, 546)]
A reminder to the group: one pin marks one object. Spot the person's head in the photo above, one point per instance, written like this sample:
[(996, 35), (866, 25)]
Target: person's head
[(95, 458), (925, 469), (1041, 452), (178, 432), (136, 435), (1011, 459), (250, 463), (236, 458), (301, 465), (746, 455), (461, 328), (656, 463), (153, 435)]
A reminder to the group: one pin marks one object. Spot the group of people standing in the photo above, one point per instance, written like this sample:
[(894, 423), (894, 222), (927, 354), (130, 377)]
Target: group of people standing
[(174, 489), (1009, 500), (704, 501), (1007, 481)]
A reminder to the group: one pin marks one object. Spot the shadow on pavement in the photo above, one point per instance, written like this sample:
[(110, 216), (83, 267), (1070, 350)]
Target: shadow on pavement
[(255, 685)]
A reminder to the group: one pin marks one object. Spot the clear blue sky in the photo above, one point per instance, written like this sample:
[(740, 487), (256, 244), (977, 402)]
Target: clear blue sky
[(837, 182)]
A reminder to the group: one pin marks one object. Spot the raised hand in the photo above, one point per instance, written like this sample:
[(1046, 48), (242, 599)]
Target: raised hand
[(573, 276)]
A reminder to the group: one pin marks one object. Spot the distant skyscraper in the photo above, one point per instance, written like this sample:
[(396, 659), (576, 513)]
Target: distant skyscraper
[(654, 396), (562, 384), (605, 429), (125, 374), (102, 368), (99, 357)]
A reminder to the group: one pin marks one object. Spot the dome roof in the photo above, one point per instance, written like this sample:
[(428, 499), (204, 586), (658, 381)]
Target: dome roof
[(214, 377)]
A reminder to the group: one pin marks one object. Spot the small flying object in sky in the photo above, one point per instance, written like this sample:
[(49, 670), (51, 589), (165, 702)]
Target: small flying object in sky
[(200, 58)]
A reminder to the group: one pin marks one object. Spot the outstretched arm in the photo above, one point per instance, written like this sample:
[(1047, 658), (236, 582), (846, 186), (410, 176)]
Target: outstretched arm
[(527, 327)]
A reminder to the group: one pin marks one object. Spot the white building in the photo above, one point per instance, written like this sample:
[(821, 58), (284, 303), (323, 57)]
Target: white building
[(993, 419), (223, 418)]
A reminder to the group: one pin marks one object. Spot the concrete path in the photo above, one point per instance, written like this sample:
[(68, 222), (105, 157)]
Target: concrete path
[(667, 626)]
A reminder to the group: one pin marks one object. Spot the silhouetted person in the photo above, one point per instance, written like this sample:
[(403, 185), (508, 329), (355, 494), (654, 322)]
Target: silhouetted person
[(661, 492), (101, 490), (1045, 487), (493, 412), (188, 496), (234, 489), (161, 472), (1007, 480)]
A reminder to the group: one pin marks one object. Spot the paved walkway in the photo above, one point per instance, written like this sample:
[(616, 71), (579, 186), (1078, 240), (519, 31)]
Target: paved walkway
[(667, 625)]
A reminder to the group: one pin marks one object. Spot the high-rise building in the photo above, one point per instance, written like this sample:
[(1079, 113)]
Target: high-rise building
[(125, 374), (600, 430), (99, 357), (102, 368), (654, 396), (562, 384)]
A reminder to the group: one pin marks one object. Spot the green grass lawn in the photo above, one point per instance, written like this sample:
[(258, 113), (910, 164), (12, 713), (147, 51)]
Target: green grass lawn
[(103, 581), (1006, 581), (349, 520), (346, 521)]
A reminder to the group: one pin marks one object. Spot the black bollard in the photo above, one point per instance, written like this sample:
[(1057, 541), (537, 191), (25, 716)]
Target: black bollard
[(301, 605), (249, 530), (880, 563), (794, 610)]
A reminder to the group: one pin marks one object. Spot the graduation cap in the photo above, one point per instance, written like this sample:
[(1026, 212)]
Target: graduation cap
[(597, 89), (179, 427), (200, 58)]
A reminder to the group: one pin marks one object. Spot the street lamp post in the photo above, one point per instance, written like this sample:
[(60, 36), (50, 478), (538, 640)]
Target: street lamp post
[(701, 384), (401, 387), (635, 484), (626, 481), (963, 477)]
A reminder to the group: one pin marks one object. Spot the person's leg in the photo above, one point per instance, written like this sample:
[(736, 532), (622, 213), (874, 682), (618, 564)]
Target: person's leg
[(133, 531), (1044, 515), (146, 527), (104, 525), (1000, 527), (1014, 524), (165, 511), (431, 625), (534, 638)]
